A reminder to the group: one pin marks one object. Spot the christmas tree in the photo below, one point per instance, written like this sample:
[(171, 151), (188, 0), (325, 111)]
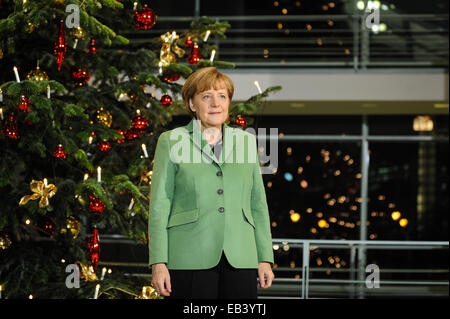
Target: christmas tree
[(82, 108)]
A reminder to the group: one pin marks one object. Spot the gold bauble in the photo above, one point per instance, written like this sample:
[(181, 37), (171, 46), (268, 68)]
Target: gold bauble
[(148, 292), (37, 75), (73, 225), (78, 33), (5, 242), (104, 117)]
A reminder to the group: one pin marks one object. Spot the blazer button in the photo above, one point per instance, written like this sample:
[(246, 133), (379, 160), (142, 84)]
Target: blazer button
[(219, 173), (221, 209), (220, 191)]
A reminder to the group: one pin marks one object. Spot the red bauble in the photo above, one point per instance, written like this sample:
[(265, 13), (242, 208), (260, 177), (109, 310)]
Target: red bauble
[(60, 45), (144, 19), (94, 249), (92, 48), (96, 205), (188, 42), (48, 228), (133, 134), (60, 152), (139, 123), (240, 121), (10, 128), (104, 146), (165, 100), (81, 76), (171, 77), (24, 105), (195, 56)]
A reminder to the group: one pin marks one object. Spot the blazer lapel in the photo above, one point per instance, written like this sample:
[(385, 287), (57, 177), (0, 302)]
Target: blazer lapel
[(198, 139)]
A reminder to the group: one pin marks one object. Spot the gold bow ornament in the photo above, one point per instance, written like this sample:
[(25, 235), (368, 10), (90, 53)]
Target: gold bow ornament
[(40, 190), (169, 44)]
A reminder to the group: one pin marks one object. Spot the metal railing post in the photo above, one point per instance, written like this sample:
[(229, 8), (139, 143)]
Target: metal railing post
[(365, 158), (356, 22), (352, 271), (305, 270)]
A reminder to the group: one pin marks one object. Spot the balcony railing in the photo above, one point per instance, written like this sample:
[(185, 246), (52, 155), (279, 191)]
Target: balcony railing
[(351, 281), (348, 40)]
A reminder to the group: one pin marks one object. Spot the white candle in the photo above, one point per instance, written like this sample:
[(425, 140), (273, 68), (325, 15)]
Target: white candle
[(45, 182), (160, 68), (48, 91), (86, 176), (135, 5), (1, 289), (258, 87), (144, 148), (131, 204), (1, 95), (1, 113), (99, 174), (207, 35), (17, 74), (75, 44), (103, 273), (97, 288), (213, 53), (90, 139)]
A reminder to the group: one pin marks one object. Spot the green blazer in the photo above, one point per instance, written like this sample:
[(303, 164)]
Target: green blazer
[(201, 205)]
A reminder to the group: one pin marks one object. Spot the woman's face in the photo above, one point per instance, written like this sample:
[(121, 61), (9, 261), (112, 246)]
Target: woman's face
[(211, 107)]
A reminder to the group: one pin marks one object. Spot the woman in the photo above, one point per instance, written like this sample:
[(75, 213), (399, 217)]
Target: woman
[(209, 228)]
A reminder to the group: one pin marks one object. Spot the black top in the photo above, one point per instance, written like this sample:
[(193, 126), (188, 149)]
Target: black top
[(217, 148)]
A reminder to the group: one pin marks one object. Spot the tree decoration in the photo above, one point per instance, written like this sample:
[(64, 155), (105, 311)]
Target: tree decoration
[(194, 56), (59, 152), (73, 225), (132, 134), (40, 191), (60, 45), (37, 75), (24, 105), (94, 249), (171, 77), (87, 273), (144, 19), (104, 146), (81, 76), (78, 33), (104, 117), (96, 205), (139, 123), (241, 121), (165, 100), (166, 56), (47, 227), (92, 48), (188, 42), (5, 242), (10, 128)]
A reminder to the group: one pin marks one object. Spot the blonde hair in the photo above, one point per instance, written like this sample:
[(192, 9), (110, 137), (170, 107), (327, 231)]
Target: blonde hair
[(203, 80)]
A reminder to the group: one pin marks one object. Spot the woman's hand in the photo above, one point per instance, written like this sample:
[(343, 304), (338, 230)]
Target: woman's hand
[(161, 279), (265, 275)]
